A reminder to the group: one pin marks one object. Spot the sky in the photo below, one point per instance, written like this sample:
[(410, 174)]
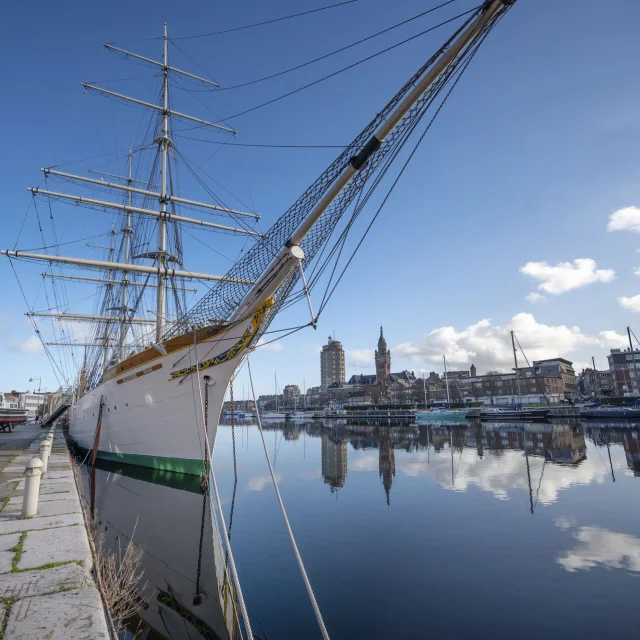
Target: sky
[(519, 211)]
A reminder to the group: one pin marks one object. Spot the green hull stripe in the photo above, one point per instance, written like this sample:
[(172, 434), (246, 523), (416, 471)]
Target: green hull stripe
[(176, 465)]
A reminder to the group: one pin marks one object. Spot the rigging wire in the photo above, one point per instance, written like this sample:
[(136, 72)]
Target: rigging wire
[(303, 572), (52, 361), (350, 66), (23, 223), (327, 295), (264, 22), (335, 51), (266, 146), (100, 155), (62, 244)]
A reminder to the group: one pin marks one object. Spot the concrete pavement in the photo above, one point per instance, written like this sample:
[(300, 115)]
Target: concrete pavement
[(46, 586)]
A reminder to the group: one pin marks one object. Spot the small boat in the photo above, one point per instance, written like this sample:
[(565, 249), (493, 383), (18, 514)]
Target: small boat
[(514, 415), (442, 415), (611, 413), (10, 413)]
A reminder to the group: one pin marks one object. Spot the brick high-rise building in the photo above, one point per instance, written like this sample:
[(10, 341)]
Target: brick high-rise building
[(383, 360), (331, 363)]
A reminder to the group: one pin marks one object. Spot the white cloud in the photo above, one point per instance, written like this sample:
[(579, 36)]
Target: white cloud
[(501, 473), (265, 345), (488, 346), (31, 345), (534, 297), (598, 546), (625, 219), (566, 276), (632, 303), (613, 339)]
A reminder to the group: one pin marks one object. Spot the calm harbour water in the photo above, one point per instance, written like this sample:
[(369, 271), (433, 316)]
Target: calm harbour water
[(497, 531)]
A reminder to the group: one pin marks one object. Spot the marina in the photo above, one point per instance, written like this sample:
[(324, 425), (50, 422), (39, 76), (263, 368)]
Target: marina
[(368, 499), (456, 453)]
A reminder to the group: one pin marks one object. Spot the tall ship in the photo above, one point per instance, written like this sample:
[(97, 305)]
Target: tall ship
[(150, 384)]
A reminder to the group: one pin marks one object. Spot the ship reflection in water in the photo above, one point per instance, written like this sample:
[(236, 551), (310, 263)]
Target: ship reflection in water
[(439, 522), (164, 513)]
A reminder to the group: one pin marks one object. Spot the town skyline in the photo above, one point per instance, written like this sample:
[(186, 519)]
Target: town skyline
[(584, 187)]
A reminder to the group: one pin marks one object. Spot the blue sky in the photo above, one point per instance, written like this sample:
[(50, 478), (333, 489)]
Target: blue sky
[(534, 151)]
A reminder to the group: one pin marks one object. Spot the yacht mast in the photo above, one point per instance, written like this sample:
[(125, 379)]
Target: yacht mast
[(162, 222), (515, 360), (446, 379)]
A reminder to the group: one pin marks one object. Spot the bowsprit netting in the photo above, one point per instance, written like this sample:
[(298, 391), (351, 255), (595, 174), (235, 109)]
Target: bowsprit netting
[(218, 305)]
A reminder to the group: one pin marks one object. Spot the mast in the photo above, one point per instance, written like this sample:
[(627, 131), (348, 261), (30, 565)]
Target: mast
[(424, 388), (292, 254), (597, 377), (633, 360), (108, 299), (127, 231), (515, 360), (162, 222), (446, 380)]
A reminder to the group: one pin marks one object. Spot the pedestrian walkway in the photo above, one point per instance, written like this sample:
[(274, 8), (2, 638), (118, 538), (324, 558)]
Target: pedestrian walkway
[(46, 586)]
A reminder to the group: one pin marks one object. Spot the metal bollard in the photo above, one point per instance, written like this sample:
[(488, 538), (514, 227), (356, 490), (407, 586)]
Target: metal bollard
[(45, 450), (32, 473)]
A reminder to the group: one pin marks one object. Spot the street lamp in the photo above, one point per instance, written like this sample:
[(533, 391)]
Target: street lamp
[(39, 382)]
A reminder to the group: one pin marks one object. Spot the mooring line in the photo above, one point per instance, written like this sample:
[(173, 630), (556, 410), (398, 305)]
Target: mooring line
[(305, 578)]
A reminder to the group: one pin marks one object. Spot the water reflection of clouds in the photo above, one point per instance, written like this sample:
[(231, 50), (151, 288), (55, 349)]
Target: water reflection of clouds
[(601, 547), (497, 474), (258, 483)]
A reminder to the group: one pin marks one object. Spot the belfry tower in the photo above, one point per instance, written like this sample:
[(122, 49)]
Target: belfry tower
[(383, 360)]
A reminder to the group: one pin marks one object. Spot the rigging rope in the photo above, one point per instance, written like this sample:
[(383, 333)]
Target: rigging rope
[(305, 578), (260, 24), (350, 66), (335, 51), (212, 483), (235, 469)]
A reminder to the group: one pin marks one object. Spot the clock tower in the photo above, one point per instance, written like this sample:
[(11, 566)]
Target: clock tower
[(383, 360)]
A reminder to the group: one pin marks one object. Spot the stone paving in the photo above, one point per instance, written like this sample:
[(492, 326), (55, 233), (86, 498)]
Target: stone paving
[(46, 588)]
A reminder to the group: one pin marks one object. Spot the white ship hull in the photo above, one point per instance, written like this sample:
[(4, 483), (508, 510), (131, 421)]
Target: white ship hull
[(153, 413)]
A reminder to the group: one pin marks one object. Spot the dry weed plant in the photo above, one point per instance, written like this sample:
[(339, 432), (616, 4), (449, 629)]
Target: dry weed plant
[(120, 577)]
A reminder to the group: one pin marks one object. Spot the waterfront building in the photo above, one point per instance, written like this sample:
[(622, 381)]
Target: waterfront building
[(383, 360), (269, 402), (334, 462), (332, 367), (10, 400), (594, 384), (559, 367), (458, 375), (32, 402), (291, 395), (624, 365)]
